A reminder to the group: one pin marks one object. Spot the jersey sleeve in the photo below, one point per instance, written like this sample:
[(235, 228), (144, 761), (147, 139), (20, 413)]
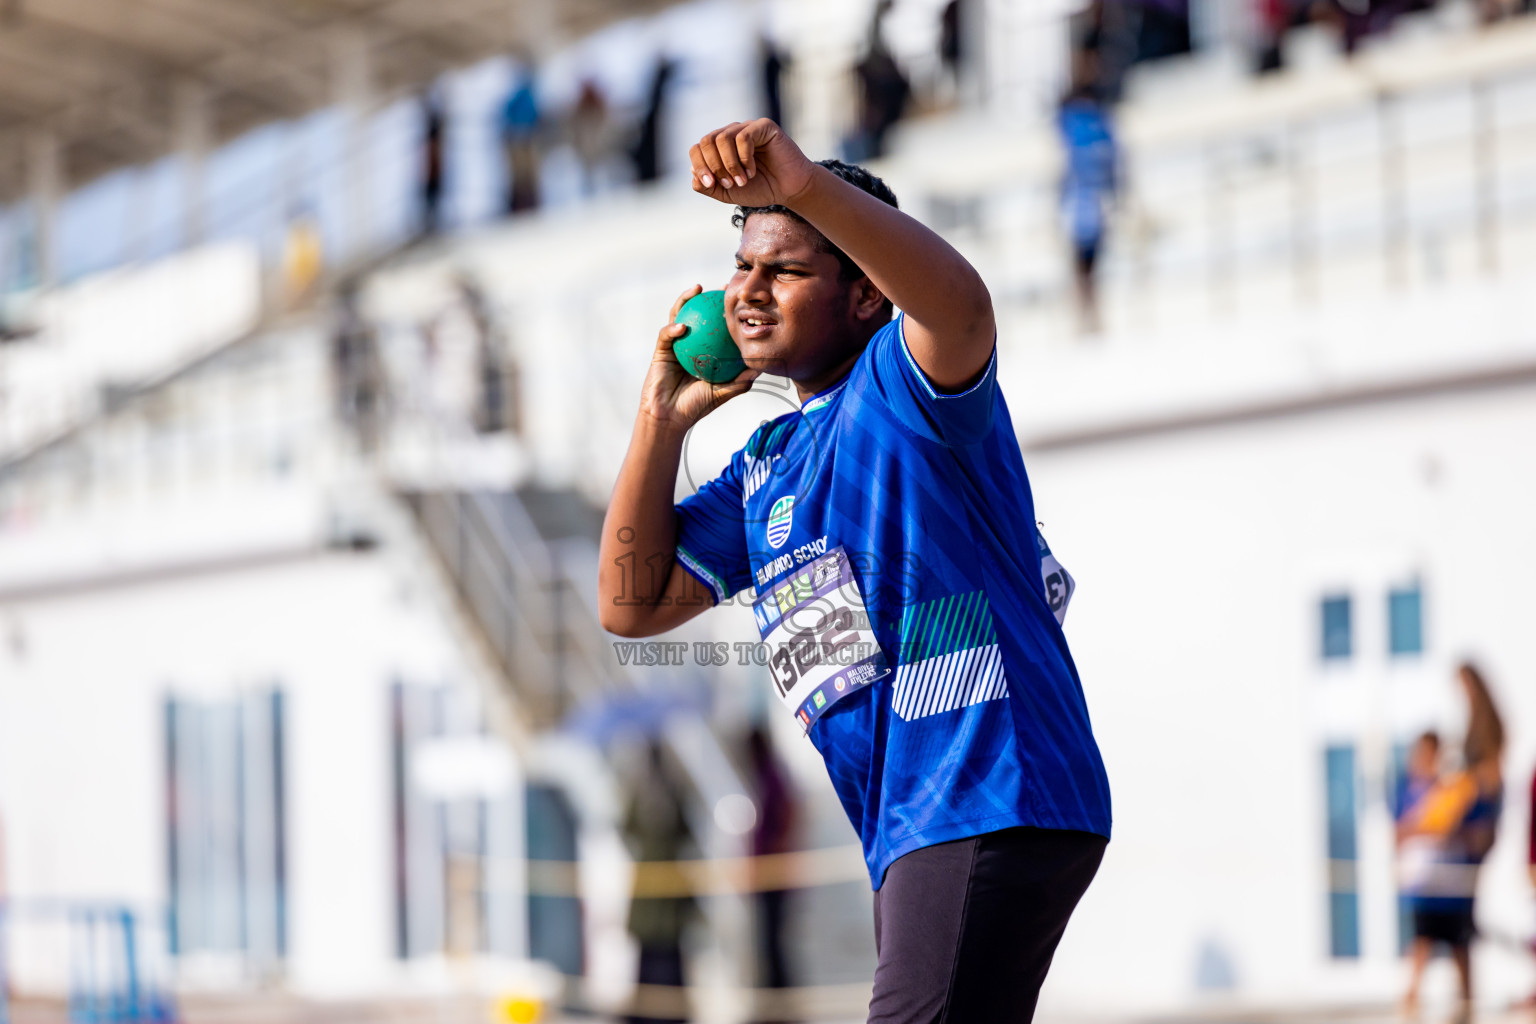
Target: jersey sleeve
[(712, 534), (955, 419)]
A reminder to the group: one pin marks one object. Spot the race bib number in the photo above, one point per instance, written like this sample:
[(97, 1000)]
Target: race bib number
[(1059, 584), (820, 645)]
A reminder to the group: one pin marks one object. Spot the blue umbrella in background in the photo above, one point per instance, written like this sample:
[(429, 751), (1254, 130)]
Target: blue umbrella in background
[(643, 714)]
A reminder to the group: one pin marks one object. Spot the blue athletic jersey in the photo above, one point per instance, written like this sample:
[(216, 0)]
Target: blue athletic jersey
[(982, 725)]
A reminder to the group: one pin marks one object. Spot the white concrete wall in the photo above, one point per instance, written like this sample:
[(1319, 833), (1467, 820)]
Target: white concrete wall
[(82, 683), (1201, 557)]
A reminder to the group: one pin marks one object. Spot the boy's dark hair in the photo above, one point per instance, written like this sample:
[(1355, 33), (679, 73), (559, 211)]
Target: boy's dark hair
[(1429, 738), (854, 175)]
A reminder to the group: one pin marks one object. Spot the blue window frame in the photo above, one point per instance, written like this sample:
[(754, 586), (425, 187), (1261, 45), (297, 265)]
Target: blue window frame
[(1397, 800), (1343, 894), (1405, 620), (1337, 629)]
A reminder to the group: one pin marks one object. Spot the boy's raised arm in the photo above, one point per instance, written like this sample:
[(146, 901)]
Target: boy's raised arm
[(950, 328)]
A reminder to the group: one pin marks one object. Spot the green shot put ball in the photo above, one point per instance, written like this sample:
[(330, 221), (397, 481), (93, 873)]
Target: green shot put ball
[(707, 350)]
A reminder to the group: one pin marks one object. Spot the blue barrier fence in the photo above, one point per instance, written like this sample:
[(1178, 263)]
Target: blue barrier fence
[(104, 947)]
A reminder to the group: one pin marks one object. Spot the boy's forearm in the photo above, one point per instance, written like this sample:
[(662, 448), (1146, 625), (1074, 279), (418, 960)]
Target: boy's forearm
[(640, 529), (910, 264)]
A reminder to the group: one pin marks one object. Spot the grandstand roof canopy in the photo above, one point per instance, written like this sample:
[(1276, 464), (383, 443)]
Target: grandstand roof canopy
[(108, 77)]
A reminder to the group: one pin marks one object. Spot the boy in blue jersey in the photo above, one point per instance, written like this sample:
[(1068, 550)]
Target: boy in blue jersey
[(885, 534)]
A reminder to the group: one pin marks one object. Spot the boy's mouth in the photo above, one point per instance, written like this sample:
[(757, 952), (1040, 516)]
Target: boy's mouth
[(755, 326)]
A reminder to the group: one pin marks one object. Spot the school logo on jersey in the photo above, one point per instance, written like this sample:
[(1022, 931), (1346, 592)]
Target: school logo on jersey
[(780, 518)]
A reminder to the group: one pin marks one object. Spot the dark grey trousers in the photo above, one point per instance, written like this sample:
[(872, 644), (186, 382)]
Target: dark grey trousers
[(965, 931)]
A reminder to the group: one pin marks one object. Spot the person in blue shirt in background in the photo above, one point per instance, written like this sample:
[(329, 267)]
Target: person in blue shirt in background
[(521, 125), (1090, 178), (910, 609), (1416, 853)]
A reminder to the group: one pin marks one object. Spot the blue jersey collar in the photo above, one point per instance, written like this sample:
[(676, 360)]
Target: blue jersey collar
[(823, 399)]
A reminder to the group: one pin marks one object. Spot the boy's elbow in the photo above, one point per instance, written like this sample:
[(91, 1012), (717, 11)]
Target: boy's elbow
[(973, 310), (624, 620), (981, 303), (616, 620), (980, 321)]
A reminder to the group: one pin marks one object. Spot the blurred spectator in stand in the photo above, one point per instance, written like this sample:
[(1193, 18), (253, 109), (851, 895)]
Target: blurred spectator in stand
[(357, 376), (1090, 180), (454, 340), (773, 834), (496, 405), (955, 34), (647, 146), (773, 65), (1272, 20), (1358, 21), (302, 257), (433, 128), (1101, 37), (656, 829), (520, 141), (1490, 11), (1122, 33), (591, 134), (1161, 28), (883, 92), (1462, 811)]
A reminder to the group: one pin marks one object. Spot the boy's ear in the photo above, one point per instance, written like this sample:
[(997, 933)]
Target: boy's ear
[(868, 300)]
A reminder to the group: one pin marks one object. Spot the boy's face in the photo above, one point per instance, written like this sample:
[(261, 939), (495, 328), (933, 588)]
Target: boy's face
[(788, 307)]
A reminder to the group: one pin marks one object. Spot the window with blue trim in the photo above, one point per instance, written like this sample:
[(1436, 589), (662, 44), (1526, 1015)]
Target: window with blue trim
[(1405, 620), (1337, 632), (1397, 798), (1343, 894), (225, 818)]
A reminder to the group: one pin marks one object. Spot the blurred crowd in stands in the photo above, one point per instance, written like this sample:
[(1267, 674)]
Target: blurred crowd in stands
[(1109, 37), (528, 130), (612, 148), (607, 149), (1353, 20), (1123, 33)]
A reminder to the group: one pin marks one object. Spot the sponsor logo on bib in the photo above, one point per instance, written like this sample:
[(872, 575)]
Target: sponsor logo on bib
[(780, 518)]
